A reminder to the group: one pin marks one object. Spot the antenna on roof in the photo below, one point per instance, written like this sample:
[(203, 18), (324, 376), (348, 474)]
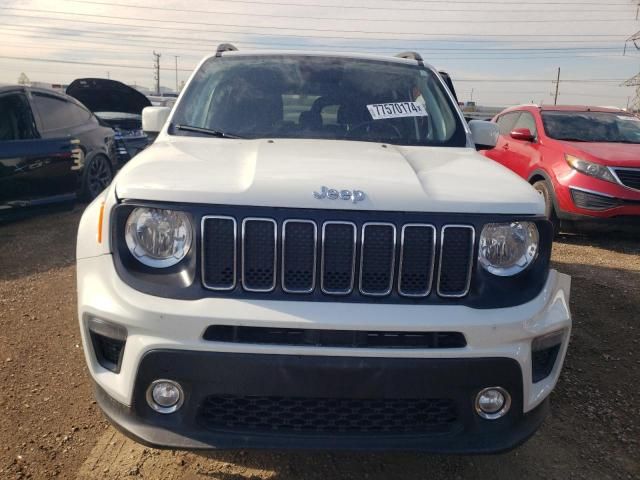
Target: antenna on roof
[(225, 47), (411, 56)]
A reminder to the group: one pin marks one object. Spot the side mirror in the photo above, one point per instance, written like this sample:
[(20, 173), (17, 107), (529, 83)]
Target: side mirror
[(485, 134), (523, 134), (154, 118)]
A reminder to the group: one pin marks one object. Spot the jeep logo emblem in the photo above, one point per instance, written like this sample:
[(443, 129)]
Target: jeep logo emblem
[(333, 194)]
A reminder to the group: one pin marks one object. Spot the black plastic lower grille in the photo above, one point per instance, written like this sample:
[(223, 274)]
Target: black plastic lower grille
[(542, 362), (328, 415), (108, 351), (630, 178), (592, 201), (333, 338)]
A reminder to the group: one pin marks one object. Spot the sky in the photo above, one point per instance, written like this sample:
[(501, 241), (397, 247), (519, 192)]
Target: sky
[(498, 51)]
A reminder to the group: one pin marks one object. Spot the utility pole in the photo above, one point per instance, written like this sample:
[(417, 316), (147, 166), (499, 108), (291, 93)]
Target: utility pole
[(108, 75), (176, 73), (557, 82), (635, 80), (156, 71), (471, 95)]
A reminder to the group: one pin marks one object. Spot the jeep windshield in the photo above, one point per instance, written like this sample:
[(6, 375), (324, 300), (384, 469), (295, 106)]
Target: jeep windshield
[(608, 127), (319, 98)]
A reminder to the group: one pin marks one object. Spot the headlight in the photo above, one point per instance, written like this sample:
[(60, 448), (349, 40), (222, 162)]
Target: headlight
[(508, 248), (158, 238), (590, 168)]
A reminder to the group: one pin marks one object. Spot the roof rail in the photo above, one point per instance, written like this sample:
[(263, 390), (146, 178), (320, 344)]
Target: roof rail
[(225, 47), (411, 56)]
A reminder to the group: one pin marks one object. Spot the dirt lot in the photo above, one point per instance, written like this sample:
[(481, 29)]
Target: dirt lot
[(50, 425)]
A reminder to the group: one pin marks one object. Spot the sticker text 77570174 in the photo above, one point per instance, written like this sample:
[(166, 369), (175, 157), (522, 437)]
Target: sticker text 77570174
[(380, 111)]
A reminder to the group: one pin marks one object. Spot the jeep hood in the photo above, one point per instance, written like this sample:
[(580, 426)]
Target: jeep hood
[(286, 172), (103, 95)]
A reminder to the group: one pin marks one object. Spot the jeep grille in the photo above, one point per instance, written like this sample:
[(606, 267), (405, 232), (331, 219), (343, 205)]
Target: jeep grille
[(339, 257)]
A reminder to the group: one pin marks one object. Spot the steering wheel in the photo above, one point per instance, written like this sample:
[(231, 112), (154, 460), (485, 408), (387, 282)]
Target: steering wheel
[(373, 129)]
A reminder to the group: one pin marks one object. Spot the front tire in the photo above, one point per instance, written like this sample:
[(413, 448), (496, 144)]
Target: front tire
[(549, 210), (97, 176)]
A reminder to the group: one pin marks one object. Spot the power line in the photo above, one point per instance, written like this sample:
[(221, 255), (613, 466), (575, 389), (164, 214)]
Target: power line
[(286, 35), (432, 56), (295, 28), (77, 62), (448, 2), (190, 40), (438, 50), (497, 80), (307, 17)]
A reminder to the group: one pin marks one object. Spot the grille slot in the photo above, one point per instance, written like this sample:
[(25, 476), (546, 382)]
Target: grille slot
[(417, 257), (299, 247), (456, 257), (629, 177), (338, 257), (333, 338), (377, 258), (328, 415), (259, 254), (219, 252)]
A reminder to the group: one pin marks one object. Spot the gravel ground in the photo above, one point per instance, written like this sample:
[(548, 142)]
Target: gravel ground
[(50, 425)]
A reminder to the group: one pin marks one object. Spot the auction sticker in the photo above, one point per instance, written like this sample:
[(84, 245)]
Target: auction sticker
[(380, 111)]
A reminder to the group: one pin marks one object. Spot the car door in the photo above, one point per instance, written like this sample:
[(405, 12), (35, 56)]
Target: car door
[(27, 162), (58, 118), (500, 153), (522, 153)]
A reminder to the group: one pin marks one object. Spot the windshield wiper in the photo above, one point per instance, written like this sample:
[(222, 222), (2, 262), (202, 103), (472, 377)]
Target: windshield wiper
[(207, 131)]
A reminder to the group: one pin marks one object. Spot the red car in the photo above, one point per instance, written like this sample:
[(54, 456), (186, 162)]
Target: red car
[(585, 161)]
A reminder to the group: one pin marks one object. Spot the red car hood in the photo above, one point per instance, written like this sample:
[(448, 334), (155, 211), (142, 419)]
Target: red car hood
[(610, 154)]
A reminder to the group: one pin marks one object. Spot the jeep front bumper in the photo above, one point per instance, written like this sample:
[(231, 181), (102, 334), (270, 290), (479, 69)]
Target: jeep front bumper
[(165, 340)]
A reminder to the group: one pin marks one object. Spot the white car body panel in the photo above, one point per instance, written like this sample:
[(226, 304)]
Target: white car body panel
[(286, 172)]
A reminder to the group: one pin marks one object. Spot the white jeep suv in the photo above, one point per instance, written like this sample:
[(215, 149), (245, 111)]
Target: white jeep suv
[(312, 254)]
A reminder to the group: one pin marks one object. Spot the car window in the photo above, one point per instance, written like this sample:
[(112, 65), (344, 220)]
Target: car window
[(57, 113), (16, 120), (320, 97), (610, 127), (506, 122), (526, 120)]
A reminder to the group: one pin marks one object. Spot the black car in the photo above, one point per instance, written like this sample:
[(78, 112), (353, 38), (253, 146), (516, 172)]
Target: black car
[(117, 105), (52, 149)]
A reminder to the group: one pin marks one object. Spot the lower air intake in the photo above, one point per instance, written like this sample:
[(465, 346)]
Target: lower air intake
[(592, 201), (328, 415)]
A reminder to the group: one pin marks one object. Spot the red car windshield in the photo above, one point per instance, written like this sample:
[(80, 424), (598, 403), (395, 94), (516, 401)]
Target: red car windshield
[(608, 127)]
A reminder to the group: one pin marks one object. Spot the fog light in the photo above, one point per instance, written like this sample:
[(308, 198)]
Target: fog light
[(165, 396), (493, 403)]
